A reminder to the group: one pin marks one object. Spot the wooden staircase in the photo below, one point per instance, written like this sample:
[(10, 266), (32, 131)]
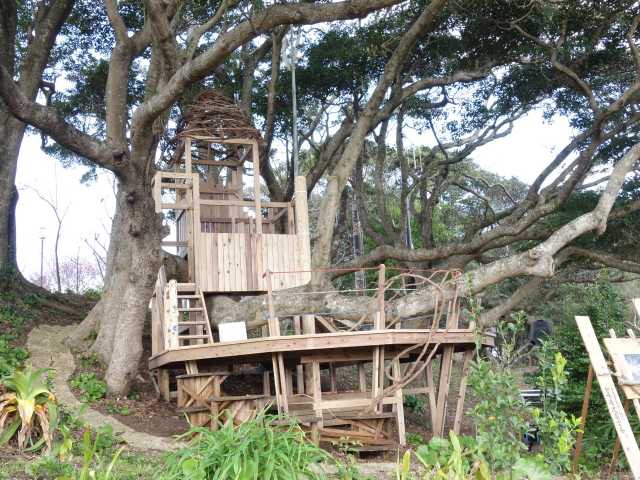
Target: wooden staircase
[(190, 326)]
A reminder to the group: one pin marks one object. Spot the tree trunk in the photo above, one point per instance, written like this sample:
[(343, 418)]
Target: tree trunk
[(11, 133), (132, 265)]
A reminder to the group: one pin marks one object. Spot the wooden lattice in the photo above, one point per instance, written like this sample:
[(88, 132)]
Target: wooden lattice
[(216, 117)]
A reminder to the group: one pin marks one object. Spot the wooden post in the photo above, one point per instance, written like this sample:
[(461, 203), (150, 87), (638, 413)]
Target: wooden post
[(297, 329), (163, 384), (195, 258), (457, 422), (187, 155), (171, 315), (610, 394), (302, 227), (277, 359), (256, 185), (583, 420), (399, 405), (444, 383), (377, 382), (317, 400), (431, 385), (308, 327)]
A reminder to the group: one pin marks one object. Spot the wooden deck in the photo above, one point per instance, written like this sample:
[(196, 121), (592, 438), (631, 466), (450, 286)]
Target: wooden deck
[(335, 345)]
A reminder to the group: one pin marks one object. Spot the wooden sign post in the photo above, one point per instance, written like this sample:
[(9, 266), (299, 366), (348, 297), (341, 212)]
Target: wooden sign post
[(610, 394)]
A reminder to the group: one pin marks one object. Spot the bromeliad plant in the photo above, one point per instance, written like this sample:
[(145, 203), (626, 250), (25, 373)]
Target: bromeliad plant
[(27, 398)]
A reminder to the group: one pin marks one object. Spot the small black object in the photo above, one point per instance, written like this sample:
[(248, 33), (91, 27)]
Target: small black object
[(540, 330)]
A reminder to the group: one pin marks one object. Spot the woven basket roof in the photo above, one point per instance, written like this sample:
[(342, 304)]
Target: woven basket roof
[(215, 116)]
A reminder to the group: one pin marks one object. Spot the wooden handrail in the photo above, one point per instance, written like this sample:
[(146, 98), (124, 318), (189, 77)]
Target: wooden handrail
[(242, 203)]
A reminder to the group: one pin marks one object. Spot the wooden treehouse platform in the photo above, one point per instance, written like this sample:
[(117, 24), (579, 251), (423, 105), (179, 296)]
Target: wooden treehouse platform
[(337, 377)]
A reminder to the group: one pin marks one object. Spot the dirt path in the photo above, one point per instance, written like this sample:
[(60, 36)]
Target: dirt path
[(47, 350)]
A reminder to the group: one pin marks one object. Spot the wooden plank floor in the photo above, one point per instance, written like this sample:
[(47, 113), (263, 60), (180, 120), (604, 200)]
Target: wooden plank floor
[(297, 345)]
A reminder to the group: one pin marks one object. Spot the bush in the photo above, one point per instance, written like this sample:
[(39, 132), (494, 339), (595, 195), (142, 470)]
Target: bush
[(91, 388), (27, 404), (607, 310), (11, 357), (255, 449)]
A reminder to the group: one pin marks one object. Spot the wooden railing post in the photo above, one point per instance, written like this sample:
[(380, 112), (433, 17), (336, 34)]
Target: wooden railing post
[(377, 380), (194, 254), (302, 227), (171, 314)]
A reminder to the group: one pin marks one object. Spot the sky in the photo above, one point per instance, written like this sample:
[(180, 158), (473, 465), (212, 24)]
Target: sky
[(89, 207)]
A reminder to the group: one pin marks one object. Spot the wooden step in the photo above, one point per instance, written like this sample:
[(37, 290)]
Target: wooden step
[(191, 323), (194, 309), (186, 287), (189, 296), (190, 337)]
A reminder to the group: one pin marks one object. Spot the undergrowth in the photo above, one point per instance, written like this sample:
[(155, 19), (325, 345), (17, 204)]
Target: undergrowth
[(254, 449)]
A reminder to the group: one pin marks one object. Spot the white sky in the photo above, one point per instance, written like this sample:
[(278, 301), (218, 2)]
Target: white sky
[(522, 154)]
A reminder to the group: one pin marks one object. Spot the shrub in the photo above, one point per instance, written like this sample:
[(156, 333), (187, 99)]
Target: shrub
[(91, 388), (27, 397), (11, 357), (255, 449), (607, 310)]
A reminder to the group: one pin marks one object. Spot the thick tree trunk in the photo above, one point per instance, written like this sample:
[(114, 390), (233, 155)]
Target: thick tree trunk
[(132, 265), (11, 133)]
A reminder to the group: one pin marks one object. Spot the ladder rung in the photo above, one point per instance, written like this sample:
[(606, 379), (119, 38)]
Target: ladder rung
[(188, 296), (197, 309), (186, 287), (188, 337), (191, 323)]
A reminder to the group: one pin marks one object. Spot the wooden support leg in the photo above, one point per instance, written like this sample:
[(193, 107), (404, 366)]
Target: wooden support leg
[(457, 422), (215, 412), (332, 377), (284, 390), (399, 404), (362, 378), (163, 384), (317, 401), (297, 329), (375, 375), (308, 327), (431, 385), (276, 382), (443, 390), (583, 420), (266, 384)]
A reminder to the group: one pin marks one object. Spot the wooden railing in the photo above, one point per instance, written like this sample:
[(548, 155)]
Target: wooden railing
[(179, 316)]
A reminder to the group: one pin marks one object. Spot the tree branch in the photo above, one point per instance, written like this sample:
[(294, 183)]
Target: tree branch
[(259, 23), (50, 122)]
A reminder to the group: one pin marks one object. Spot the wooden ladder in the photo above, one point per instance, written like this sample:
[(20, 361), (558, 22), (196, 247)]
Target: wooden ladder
[(193, 327)]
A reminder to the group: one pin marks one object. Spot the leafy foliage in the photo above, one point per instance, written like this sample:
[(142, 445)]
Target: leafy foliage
[(91, 388), (607, 310), (255, 449), (27, 397), (11, 357)]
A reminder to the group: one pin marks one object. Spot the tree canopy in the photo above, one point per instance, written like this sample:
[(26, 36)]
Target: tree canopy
[(457, 74)]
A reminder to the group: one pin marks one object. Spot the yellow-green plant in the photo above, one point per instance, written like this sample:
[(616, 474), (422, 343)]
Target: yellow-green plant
[(26, 398)]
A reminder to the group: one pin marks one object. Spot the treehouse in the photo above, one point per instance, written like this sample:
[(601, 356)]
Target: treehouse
[(238, 243), (229, 235)]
